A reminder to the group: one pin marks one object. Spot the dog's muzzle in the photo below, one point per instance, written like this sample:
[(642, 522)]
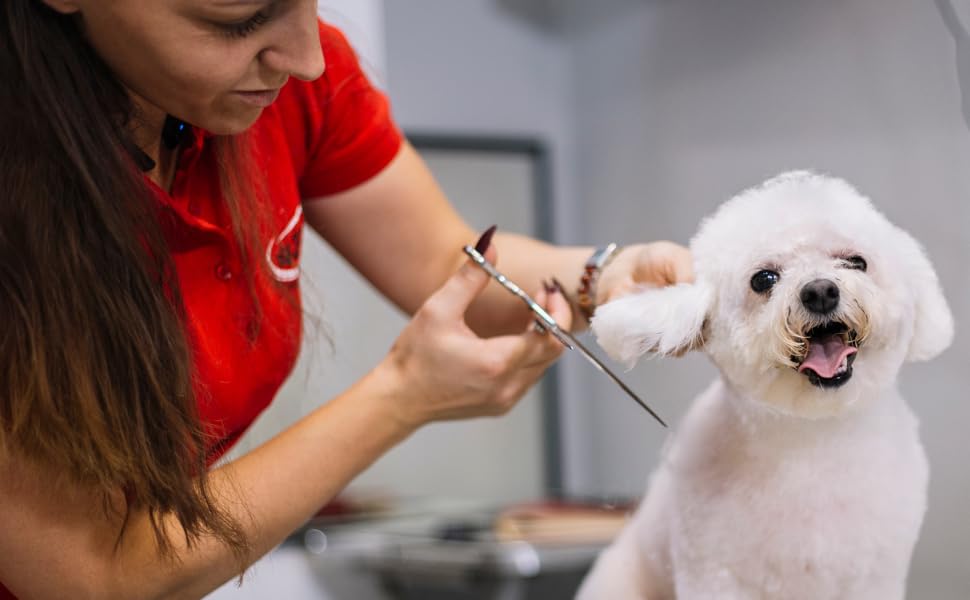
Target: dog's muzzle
[(830, 350)]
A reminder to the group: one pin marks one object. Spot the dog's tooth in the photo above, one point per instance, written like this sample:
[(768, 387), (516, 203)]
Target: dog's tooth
[(843, 366)]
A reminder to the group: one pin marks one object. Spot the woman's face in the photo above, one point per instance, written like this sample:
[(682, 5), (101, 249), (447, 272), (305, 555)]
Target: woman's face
[(213, 63)]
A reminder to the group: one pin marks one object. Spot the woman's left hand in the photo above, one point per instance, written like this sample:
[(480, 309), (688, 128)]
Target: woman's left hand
[(653, 264)]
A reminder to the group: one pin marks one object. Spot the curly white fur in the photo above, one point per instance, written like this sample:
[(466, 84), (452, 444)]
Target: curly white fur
[(774, 487)]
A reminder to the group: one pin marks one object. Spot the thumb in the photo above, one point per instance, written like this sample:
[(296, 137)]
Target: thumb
[(470, 280)]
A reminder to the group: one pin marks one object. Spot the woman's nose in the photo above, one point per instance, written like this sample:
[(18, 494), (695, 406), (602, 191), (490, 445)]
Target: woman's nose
[(297, 50)]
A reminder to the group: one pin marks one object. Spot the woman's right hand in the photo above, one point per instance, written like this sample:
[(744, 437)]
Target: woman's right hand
[(442, 370)]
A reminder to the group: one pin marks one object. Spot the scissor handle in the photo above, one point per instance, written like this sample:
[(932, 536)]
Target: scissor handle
[(542, 316), (545, 320)]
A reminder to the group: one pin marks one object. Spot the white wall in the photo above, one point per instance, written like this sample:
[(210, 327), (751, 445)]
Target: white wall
[(480, 67)]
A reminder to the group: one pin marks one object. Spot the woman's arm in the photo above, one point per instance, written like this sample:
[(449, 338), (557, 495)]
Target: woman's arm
[(57, 541), (401, 233)]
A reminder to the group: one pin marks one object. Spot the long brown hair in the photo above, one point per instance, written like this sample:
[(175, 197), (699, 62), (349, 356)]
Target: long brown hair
[(95, 369)]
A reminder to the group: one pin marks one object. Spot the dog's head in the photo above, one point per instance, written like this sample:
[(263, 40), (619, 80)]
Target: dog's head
[(806, 298)]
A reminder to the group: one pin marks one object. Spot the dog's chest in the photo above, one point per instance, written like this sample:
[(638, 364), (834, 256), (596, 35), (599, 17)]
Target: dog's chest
[(819, 514)]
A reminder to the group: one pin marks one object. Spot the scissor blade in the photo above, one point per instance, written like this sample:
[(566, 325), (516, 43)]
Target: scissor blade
[(545, 322), (599, 365)]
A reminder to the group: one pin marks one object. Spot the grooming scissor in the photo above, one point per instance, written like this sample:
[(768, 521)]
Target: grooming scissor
[(544, 321)]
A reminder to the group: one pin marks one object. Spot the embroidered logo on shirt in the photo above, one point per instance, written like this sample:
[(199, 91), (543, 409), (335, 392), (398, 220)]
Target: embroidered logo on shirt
[(283, 251)]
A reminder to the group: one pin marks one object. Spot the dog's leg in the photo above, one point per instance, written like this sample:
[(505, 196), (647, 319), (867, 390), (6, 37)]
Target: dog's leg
[(636, 566), (622, 572), (890, 587)]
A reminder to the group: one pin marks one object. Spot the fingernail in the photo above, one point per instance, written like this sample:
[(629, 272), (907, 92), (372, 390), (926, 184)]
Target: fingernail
[(558, 287), (550, 288), (483, 242)]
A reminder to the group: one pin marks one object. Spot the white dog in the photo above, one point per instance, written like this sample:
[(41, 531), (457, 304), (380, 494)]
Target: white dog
[(799, 473)]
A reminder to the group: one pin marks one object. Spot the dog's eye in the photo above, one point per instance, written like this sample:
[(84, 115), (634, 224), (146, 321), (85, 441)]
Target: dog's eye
[(762, 281), (856, 262)]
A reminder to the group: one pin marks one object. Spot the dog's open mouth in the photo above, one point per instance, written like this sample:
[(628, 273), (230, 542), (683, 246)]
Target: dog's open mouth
[(830, 351)]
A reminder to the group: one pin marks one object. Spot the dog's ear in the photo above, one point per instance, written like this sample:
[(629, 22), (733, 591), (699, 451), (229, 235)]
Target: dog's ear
[(667, 320), (933, 321)]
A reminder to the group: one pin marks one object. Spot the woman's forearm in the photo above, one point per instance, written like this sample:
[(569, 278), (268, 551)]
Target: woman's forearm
[(275, 488), (57, 541)]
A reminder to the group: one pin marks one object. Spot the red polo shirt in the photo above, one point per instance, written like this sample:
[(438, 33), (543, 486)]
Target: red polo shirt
[(318, 138)]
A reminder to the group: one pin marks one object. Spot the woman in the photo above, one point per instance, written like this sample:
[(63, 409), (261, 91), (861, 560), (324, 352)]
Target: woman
[(149, 281)]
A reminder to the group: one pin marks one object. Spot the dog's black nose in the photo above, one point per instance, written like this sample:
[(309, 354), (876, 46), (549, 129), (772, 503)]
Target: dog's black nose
[(820, 296)]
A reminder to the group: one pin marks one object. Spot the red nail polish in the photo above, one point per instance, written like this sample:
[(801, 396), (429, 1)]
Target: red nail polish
[(483, 242), (550, 288), (558, 287)]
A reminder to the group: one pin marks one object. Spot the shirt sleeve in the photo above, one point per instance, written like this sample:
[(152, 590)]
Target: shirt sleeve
[(349, 134)]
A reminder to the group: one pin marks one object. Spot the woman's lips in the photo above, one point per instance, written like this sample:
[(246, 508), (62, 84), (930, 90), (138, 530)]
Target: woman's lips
[(261, 98)]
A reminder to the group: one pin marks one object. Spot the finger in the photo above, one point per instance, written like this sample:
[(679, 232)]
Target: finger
[(540, 297), (682, 264), (620, 288), (510, 358), (557, 305), (547, 347), (518, 348), (466, 284), (525, 379), (513, 388), (534, 344)]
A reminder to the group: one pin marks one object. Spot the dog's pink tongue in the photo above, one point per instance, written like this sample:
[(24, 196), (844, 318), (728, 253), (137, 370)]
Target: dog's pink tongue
[(825, 355)]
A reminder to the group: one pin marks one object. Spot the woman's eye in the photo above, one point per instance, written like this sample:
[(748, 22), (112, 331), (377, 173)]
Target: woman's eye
[(856, 262), (244, 28), (762, 281)]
